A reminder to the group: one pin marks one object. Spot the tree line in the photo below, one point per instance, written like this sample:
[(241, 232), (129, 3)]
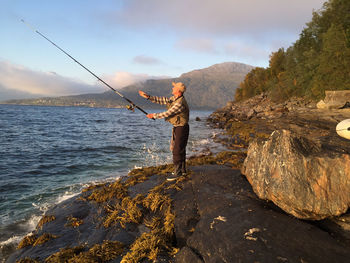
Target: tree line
[(319, 60)]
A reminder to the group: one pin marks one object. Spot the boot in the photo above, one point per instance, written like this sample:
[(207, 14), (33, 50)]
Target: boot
[(178, 169), (177, 172), (183, 168)]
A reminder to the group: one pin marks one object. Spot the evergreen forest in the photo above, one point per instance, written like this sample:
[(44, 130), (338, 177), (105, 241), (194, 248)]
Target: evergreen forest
[(319, 60)]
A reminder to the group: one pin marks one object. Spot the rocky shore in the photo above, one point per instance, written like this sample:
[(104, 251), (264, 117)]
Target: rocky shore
[(280, 193)]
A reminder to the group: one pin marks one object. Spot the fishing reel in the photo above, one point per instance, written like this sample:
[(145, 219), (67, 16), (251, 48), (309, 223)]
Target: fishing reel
[(130, 107)]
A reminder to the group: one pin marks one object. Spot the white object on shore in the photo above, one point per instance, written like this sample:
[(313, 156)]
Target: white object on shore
[(343, 129)]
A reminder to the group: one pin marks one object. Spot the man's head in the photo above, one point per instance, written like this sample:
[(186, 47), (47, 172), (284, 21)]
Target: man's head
[(178, 88)]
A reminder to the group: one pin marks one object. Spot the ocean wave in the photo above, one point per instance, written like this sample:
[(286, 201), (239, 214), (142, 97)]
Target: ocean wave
[(65, 196), (100, 121), (13, 233), (11, 240), (105, 149), (8, 246), (30, 225), (203, 142), (9, 186)]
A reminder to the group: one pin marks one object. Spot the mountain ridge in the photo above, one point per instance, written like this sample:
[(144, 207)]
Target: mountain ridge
[(210, 88)]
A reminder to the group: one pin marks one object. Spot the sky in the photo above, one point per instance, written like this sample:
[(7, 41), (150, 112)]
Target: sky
[(128, 41)]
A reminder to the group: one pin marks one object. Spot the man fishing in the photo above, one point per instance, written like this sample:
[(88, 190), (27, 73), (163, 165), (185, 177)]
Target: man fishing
[(178, 115)]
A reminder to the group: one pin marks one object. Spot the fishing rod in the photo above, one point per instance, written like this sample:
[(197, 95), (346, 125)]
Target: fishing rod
[(129, 107)]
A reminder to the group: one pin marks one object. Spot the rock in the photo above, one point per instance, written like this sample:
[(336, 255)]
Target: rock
[(226, 222), (198, 119), (259, 108), (334, 99), (299, 175), (251, 114), (281, 109), (321, 105), (229, 104), (296, 103), (338, 226), (90, 232), (188, 255), (218, 218)]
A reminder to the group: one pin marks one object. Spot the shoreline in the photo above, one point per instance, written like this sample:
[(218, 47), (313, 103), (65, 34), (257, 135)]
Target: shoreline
[(188, 217), (13, 240), (135, 177)]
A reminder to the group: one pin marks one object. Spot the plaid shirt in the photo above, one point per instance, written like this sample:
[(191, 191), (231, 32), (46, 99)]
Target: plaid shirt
[(175, 109)]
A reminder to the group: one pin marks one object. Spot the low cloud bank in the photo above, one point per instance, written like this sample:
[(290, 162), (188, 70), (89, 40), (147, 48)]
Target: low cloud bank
[(18, 82)]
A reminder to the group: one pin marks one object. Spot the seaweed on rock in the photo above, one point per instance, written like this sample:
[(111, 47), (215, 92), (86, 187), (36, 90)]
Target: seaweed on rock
[(33, 240), (46, 219), (27, 241), (153, 210), (73, 222), (108, 191), (104, 252), (27, 260)]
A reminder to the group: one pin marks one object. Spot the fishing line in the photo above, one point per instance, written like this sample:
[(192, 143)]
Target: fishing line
[(129, 107)]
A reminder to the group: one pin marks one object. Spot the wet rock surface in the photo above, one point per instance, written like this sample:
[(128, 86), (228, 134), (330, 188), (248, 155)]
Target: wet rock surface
[(78, 222), (220, 219)]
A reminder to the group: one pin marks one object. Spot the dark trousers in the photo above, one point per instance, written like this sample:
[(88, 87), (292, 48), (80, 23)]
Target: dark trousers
[(180, 134)]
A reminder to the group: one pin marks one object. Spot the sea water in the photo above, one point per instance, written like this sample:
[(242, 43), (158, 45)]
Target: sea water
[(48, 154)]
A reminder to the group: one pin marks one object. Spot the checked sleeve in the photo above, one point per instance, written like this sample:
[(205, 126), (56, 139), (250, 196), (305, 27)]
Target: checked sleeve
[(175, 109), (159, 100)]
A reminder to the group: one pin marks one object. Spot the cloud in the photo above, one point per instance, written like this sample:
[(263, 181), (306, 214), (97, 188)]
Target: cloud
[(244, 49), (122, 79), (195, 44), (17, 79), (11, 94), (221, 17), (145, 60)]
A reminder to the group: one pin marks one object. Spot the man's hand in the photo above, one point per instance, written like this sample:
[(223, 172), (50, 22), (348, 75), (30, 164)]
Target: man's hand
[(150, 115), (143, 94)]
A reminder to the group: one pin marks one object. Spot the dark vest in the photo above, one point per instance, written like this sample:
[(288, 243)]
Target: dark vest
[(180, 119)]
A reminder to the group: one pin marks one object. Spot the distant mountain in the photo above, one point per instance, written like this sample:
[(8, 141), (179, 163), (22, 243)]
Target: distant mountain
[(209, 88), (6, 94), (223, 69)]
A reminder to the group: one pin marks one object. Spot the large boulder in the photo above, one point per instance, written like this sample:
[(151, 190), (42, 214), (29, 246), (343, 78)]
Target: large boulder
[(334, 99), (299, 175)]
